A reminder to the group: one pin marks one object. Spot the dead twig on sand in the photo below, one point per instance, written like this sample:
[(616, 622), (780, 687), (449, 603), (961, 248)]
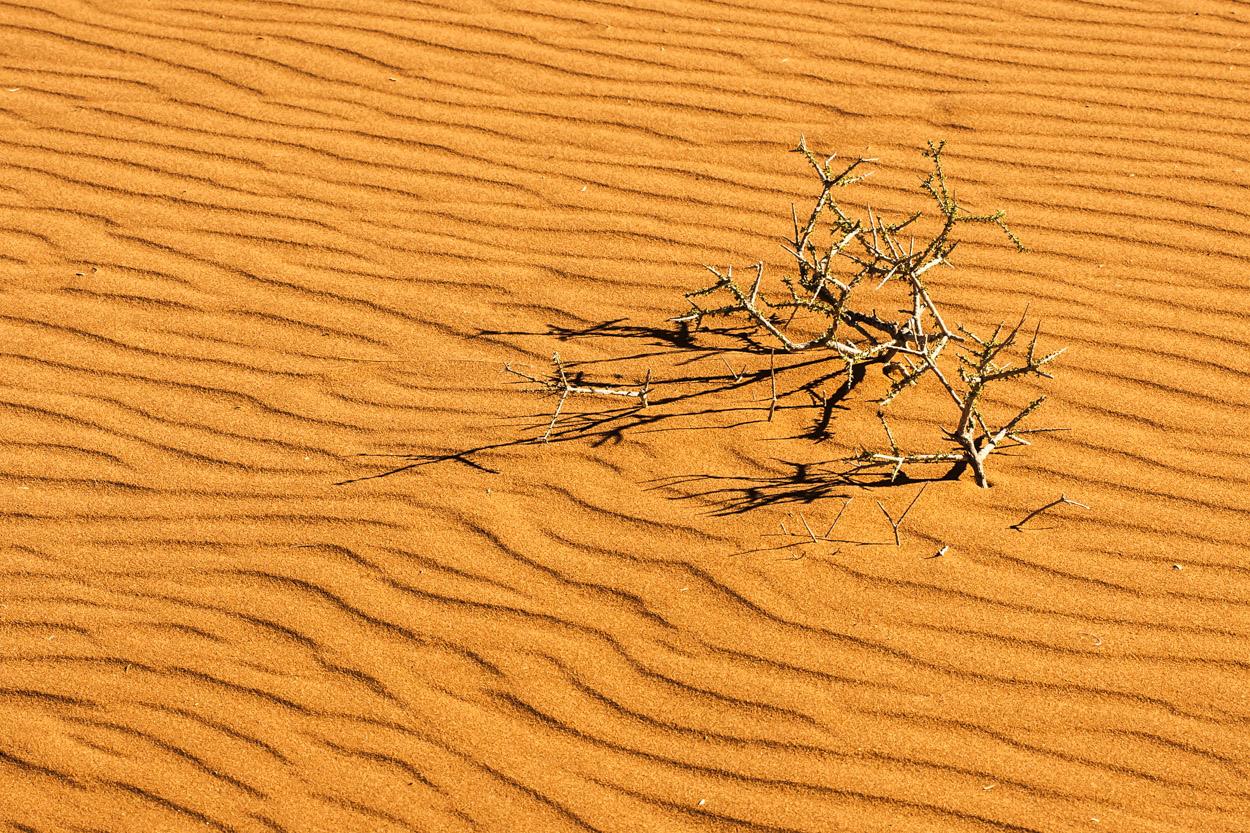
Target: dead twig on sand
[(808, 528), (839, 517), (811, 534), (898, 542), (559, 383), (1062, 499), (737, 377)]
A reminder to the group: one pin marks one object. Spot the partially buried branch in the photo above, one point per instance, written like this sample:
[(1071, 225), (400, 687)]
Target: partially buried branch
[(559, 383), (898, 542)]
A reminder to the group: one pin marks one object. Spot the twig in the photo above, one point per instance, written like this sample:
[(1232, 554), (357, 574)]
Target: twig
[(1036, 512), (556, 415), (811, 533), (559, 383), (914, 342), (939, 553), (913, 502), (759, 276), (898, 542), (737, 376), (839, 517), (808, 528)]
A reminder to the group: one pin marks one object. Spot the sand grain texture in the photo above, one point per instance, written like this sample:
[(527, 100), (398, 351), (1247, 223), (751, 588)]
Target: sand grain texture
[(278, 555)]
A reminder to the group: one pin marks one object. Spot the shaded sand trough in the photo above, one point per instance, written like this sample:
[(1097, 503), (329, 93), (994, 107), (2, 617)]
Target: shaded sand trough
[(252, 251)]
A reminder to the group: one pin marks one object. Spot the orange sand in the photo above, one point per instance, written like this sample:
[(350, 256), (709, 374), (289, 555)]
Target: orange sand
[(255, 256)]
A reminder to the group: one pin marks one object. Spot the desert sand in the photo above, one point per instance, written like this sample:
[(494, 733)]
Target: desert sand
[(280, 551)]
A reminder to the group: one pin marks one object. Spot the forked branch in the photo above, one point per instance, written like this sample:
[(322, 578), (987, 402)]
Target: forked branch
[(911, 345), (898, 542)]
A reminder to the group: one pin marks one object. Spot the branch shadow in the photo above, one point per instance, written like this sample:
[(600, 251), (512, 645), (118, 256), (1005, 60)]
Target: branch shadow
[(697, 384), (803, 484), (683, 403), (418, 460)]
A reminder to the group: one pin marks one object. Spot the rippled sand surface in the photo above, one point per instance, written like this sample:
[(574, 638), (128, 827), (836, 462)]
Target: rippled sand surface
[(278, 551)]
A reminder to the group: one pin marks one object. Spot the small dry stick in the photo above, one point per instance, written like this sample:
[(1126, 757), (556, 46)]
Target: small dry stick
[(556, 415), (1036, 512), (808, 528), (737, 376), (811, 533), (898, 542), (839, 517)]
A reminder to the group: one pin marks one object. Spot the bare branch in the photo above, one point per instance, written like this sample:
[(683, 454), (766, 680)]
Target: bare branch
[(839, 517), (556, 415), (898, 542), (867, 252), (559, 383)]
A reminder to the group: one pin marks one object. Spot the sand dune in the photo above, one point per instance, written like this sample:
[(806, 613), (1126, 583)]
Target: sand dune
[(280, 552)]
